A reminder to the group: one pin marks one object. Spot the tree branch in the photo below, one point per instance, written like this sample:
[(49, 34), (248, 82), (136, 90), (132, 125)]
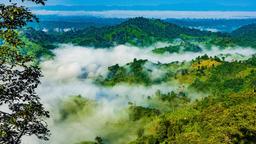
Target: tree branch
[(19, 137), (1, 112)]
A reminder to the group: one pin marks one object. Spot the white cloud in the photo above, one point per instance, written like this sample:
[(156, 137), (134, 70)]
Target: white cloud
[(62, 76), (153, 14)]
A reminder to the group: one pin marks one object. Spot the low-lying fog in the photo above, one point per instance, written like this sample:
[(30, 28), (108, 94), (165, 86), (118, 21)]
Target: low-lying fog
[(71, 73)]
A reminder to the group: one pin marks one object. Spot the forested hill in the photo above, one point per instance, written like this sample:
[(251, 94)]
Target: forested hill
[(246, 35), (40, 37), (144, 32), (137, 31)]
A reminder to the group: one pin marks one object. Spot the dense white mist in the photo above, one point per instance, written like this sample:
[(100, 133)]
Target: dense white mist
[(72, 61), (72, 72)]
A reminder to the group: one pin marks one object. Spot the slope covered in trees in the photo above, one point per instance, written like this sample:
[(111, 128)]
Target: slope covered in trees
[(144, 32), (245, 35), (226, 115), (137, 31)]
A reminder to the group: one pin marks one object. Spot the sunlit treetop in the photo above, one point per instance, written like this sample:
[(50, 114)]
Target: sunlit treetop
[(12, 17)]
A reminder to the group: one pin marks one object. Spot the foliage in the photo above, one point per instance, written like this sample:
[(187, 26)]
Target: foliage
[(226, 116), (41, 38), (26, 113), (245, 35), (23, 113), (36, 50), (182, 47), (131, 73), (76, 106), (87, 142), (138, 112), (137, 31), (97, 139)]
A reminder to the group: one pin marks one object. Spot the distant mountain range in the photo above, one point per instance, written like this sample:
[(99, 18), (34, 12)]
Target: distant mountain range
[(137, 31), (177, 7), (54, 23), (144, 32)]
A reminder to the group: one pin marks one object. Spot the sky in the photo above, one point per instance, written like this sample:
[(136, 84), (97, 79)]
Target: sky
[(149, 2), (149, 8), (163, 4)]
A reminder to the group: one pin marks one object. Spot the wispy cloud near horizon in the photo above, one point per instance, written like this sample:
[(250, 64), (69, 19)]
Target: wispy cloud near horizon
[(153, 14)]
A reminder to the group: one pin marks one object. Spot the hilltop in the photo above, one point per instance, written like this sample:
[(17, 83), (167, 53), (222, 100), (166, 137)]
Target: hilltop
[(143, 32), (137, 31)]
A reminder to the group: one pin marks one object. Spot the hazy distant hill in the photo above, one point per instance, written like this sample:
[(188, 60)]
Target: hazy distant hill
[(245, 36), (181, 6), (54, 22), (221, 25), (144, 32)]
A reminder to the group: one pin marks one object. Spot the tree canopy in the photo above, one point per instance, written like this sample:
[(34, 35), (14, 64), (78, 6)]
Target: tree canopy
[(21, 111)]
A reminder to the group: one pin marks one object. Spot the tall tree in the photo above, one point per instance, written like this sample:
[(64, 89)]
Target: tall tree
[(21, 113)]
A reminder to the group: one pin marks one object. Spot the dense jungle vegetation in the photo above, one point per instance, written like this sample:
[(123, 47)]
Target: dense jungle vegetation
[(215, 99), (225, 112)]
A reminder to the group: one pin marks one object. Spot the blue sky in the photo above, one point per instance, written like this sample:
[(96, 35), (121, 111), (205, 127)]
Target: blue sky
[(150, 2), (229, 5), (149, 8)]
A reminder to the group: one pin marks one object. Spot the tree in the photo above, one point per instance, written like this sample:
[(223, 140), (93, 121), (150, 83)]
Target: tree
[(21, 112), (98, 140)]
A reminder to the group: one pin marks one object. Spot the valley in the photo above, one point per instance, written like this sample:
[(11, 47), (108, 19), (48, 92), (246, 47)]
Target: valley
[(127, 72), (147, 81)]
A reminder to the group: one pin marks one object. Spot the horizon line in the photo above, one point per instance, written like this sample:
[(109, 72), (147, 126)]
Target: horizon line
[(161, 14)]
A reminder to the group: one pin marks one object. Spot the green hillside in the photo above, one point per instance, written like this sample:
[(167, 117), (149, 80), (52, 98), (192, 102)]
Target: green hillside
[(136, 31), (144, 32), (245, 36), (38, 44), (226, 115)]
